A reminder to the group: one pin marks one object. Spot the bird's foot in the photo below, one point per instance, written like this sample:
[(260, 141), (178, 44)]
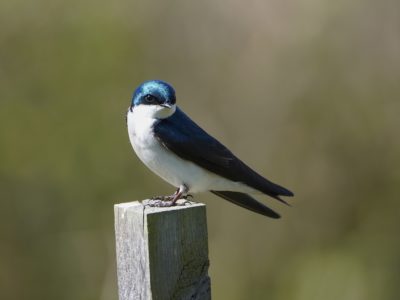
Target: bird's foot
[(161, 203), (187, 197), (168, 201), (158, 203), (163, 198)]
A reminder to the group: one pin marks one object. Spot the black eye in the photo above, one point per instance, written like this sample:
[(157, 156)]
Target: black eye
[(150, 98)]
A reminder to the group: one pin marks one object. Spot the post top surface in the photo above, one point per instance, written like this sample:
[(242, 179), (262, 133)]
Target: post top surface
[(143, 205)]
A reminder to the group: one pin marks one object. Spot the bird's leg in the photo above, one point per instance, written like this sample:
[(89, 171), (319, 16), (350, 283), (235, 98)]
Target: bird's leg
[(166, 201), (183, 189)]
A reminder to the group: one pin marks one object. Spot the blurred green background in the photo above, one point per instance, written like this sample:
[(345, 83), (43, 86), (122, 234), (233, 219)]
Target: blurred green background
[(307, 92)]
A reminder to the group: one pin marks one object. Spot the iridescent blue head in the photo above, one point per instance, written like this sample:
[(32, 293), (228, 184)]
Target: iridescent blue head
[(154, 92)]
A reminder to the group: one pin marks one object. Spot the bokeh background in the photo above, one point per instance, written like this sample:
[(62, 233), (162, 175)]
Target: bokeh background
[(307, 92)]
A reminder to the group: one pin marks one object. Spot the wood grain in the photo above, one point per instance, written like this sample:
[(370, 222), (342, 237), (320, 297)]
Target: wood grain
[(162, 253)]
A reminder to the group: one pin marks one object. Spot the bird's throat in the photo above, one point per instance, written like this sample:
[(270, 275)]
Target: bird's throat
[(152, 111)]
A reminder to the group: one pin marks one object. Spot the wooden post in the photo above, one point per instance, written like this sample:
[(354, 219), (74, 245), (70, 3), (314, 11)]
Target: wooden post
[(162, 253)]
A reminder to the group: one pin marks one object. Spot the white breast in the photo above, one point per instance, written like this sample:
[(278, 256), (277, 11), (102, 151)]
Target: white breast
[(165, 164)]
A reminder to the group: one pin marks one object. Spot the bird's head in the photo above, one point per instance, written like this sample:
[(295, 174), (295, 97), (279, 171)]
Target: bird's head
[(155, 97)]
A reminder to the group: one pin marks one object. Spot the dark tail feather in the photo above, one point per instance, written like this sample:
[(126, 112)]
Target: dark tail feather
[(279, 199), (273, 190), (248, 202)]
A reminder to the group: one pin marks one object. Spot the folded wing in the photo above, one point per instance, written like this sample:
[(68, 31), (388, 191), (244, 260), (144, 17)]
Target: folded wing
[(181, 135)]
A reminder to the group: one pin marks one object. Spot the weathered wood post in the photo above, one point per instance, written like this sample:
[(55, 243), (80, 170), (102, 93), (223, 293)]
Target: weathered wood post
[(162, 253)]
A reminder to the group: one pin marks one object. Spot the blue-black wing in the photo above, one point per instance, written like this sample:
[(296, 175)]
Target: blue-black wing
[(185, 138)]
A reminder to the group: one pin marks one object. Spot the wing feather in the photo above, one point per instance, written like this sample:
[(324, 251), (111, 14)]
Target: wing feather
[(181, 135)]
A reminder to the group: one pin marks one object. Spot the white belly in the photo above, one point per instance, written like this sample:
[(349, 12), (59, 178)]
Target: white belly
[(167, 165)]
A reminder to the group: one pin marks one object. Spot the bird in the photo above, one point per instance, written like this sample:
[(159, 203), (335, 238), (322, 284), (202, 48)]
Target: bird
[(179, 151)]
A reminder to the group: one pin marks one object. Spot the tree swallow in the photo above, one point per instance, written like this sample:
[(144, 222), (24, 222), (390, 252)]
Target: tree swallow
[(175, 148)]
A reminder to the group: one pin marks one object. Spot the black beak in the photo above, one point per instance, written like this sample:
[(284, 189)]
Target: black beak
[(130, 108)]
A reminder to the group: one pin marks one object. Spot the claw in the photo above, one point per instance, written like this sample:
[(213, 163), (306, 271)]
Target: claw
[(159, 203), (166, 201), (162, 198)]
